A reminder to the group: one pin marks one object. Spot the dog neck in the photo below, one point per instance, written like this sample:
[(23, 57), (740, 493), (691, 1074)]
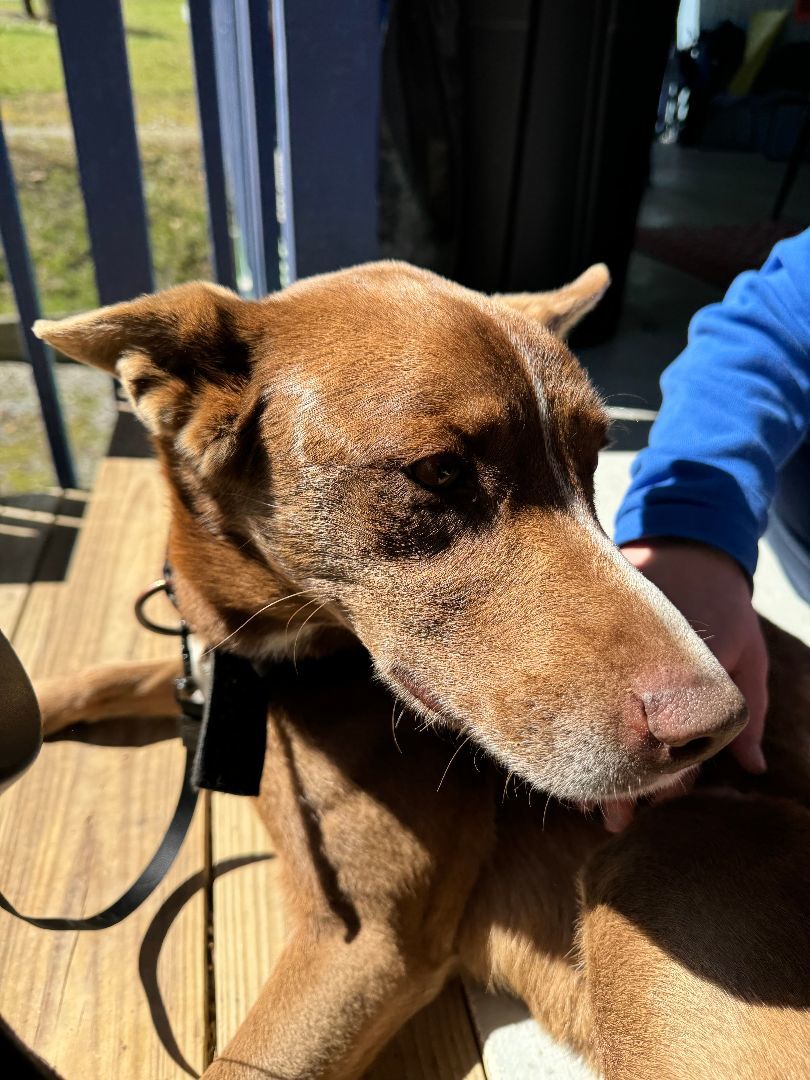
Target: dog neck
[(229, 594)]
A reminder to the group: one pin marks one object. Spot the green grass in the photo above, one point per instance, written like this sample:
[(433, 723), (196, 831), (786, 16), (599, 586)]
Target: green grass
[(37, 123), (87, 402), (53, 210), (31, 83)]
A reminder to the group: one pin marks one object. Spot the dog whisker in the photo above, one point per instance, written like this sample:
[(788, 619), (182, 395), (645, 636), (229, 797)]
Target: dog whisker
[(301, 627), (298, 610), (573, 954), (394, 725), (255, 615), (452, 759), (545, 811), (505, 786), (608, 398)]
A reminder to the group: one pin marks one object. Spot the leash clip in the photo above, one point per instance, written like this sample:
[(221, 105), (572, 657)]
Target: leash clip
[(159, 586), (186, 690)]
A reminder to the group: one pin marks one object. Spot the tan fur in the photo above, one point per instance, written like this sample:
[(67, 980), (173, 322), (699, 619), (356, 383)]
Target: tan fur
[(514, 644), (142, 688)]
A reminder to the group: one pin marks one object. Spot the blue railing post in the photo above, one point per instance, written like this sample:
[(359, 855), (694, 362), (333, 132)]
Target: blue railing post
[(308, 89), (94, 58), (23, 283), (314, 97), (202, 42), (332, 54), (284, 197)]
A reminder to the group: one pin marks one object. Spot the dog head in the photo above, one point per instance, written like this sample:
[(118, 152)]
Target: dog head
[(383, 453)]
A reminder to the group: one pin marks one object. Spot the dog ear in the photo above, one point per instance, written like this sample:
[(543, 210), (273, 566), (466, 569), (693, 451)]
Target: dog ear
[(183, 357), (563, 308)]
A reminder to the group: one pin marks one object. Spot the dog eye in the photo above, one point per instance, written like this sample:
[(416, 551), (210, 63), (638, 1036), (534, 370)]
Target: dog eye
[(437, 472)]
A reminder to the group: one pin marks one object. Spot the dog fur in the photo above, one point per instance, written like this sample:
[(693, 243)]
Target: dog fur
[(379, 456)]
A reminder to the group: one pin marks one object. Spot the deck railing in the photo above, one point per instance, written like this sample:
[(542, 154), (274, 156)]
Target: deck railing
[(288, 108)]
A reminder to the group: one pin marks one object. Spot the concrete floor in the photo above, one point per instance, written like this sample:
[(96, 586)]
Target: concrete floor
[(713, 187), (687, 187)]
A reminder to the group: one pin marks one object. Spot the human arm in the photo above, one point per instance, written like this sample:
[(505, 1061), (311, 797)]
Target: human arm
[(736, 406)]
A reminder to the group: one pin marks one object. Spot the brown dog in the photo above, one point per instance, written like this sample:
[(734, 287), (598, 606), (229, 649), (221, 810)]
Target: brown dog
[(379, 456)]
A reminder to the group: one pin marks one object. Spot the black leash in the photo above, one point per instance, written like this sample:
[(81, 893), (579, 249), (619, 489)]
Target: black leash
[(224, 733), (150, 878), (155, 871)]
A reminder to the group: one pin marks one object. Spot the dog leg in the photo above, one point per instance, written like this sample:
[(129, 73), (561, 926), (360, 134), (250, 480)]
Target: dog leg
[(521, 938), (695, 936), (142, 688), (328, 1008)]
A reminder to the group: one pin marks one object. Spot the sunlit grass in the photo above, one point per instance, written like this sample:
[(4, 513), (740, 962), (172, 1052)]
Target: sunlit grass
[(37, 124)]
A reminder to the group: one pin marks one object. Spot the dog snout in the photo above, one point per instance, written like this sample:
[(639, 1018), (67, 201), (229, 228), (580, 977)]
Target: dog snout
[(693, 720)]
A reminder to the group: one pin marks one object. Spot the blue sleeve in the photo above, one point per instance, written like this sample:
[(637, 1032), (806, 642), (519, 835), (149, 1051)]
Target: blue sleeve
[(736, 406)]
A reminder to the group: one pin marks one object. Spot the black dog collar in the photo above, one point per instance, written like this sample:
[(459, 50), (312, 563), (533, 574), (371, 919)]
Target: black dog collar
[(227, 720), (233, 730)]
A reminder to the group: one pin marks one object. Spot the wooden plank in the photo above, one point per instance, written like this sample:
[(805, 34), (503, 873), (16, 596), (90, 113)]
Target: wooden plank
[(248, 922), (25, 522), (128, 1002), (438, 1043), (12, 601), (36, 536)]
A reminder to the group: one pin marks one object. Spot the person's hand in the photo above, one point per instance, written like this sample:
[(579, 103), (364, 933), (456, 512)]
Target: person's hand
[(712, 591)]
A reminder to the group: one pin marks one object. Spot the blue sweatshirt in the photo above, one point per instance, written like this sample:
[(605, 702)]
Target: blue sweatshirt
[(736, 406)]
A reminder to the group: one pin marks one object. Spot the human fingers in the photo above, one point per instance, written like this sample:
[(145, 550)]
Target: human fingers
[(750, 674)]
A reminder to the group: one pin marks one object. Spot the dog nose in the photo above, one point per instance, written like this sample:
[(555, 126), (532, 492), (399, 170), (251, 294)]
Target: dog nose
[(696, 718)]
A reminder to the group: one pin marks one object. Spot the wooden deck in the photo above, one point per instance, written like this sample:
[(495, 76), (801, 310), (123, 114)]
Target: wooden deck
[(138, 1001)]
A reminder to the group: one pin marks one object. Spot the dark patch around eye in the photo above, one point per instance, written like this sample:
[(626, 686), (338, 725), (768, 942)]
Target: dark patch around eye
[(425, 523), (415, 535)]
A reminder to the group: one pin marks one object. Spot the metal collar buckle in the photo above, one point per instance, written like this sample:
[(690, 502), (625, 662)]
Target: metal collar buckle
[(186, 690)]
